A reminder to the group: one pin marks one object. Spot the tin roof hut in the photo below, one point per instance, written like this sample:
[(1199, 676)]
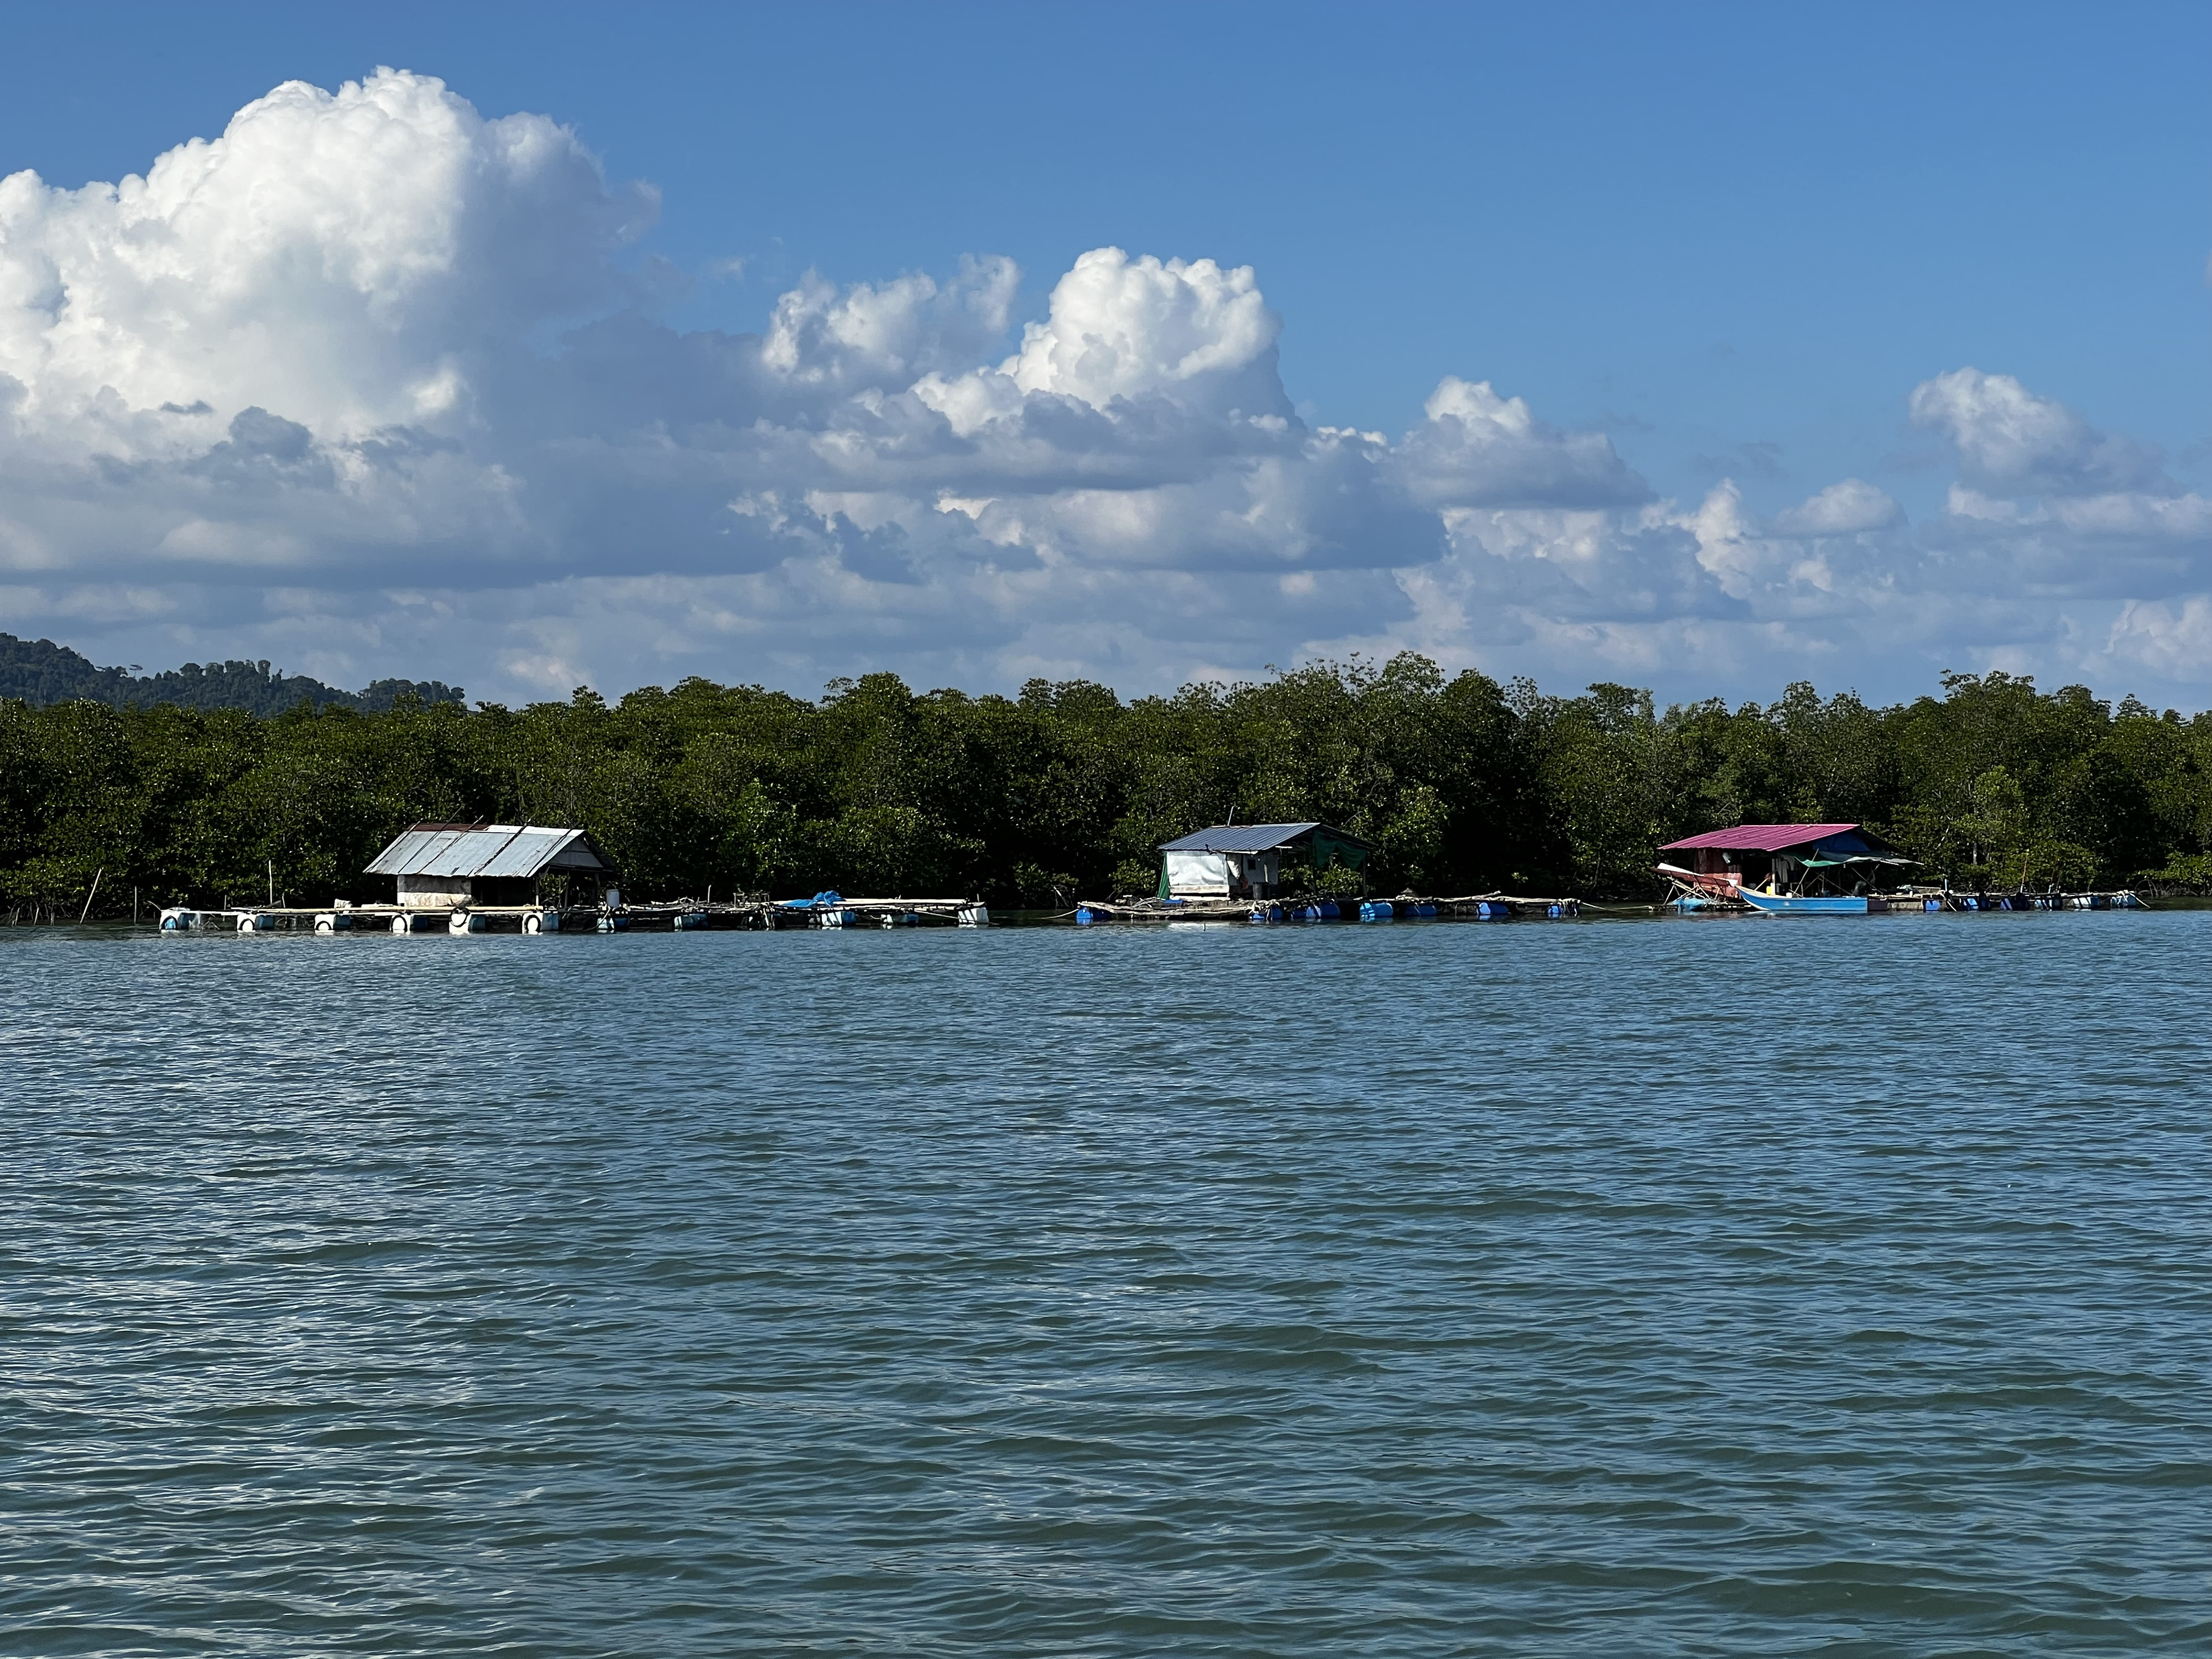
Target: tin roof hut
[(439, 865), (1245, 861)]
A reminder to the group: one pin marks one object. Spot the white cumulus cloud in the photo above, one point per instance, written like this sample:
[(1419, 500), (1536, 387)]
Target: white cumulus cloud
[(1848, 508), (1129, 328), (2009, 438), (368, 384)]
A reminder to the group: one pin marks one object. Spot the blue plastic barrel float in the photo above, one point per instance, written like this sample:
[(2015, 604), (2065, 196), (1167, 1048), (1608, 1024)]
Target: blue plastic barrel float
[(1417, 909), (1564, 908), (1329, 912), (1377, 910), (1264, 914), (1085, 915), (1931, 904), (1494, 910)]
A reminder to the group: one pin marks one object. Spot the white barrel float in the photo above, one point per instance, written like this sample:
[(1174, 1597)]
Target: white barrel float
[(252, 923), (541, 921), (464, 921), (974, 915), (176, 920), (330, 921), (403, 923)]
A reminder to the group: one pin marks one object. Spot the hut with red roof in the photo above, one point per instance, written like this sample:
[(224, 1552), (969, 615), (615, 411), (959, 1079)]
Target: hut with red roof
[(1784, 858)]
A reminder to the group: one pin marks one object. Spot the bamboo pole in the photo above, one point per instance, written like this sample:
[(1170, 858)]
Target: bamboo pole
[(92, 895)]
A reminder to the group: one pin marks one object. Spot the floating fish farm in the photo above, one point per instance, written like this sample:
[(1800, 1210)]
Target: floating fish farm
[(461, 878)]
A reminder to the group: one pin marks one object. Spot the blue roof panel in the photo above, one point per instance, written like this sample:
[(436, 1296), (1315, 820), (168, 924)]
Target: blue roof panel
[(1246, 838)]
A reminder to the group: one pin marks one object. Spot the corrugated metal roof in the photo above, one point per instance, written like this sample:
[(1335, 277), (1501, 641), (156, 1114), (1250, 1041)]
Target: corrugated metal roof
[(461, 850), (1251, 838), (1766, 837)]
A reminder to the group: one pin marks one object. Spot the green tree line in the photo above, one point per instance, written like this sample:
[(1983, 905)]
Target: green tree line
[(1467, 785), (40, 672)]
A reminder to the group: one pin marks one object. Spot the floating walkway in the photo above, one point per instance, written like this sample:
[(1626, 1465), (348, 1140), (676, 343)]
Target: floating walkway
[(2126, 898), (675, 916), (1406, 907), (1711, 899)]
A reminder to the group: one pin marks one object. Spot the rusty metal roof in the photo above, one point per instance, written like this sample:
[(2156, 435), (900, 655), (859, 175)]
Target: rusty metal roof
[(461, 850)]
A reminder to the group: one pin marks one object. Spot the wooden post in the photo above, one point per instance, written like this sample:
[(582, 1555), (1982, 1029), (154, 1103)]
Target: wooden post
[(92, 895)]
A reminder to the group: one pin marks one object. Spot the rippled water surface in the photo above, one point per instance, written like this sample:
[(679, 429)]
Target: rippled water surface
[(1818, 1285)]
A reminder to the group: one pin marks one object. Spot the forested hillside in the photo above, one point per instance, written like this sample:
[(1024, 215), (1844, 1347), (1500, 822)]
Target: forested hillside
[(1466, 784), (40, 672)]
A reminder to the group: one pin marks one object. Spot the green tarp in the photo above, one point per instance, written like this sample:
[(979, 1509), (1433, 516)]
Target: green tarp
[(1327, 849)]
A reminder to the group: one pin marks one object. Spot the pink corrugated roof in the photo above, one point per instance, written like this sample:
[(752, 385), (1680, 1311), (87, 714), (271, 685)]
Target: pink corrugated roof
[(1759, 838)]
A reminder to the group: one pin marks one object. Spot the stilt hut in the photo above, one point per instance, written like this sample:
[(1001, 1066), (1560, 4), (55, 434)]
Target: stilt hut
[(436, 866), (1245, 861), (1795, 858)]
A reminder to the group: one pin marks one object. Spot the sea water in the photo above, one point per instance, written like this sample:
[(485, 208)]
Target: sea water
[(1816, 1285)]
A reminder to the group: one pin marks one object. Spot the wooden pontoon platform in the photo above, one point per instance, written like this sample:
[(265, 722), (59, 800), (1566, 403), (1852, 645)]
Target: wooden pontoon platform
[(675, 915), (1488, 907)]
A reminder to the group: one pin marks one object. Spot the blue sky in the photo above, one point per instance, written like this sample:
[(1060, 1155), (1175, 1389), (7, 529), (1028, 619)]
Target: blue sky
[(1732, 240)]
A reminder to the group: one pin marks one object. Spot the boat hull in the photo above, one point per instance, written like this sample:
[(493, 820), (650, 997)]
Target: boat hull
[(1783, 904)]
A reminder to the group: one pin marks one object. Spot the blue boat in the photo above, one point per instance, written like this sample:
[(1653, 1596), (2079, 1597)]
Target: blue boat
[(1797, 904)]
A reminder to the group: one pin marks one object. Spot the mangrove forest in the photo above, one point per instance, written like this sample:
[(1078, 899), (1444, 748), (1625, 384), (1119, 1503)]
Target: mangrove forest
[(1465, 783)]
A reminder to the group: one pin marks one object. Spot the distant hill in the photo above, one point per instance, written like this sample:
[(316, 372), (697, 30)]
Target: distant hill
[(40, 671)]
